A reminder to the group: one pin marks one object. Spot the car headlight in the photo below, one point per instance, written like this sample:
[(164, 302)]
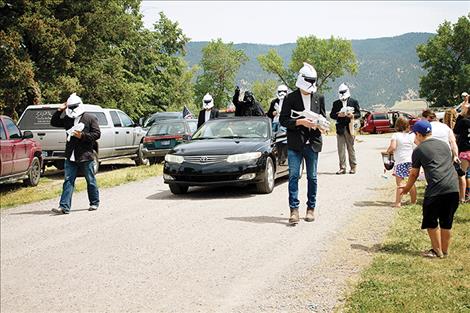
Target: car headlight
[(172, 158), (243, 157)]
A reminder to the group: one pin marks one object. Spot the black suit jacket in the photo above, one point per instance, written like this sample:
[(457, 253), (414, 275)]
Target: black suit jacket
[(202, 116), (83, 147), (343, 122), (272, 109), (297, 136)]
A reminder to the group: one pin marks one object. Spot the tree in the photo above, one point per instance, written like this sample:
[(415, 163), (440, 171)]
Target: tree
[(220, 63), (265, 91), (331, 58), (446, 57)]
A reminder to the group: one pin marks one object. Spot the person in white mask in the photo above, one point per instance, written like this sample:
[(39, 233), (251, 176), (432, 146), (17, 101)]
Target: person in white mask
[(208, 110), (82, 131), (276, 106), (345, 110), (304, 139)]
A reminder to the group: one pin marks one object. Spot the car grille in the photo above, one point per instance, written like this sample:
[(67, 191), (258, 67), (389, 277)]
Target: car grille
[(204, 179), (204, 159)]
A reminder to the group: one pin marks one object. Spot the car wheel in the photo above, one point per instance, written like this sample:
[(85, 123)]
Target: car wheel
[(34, 173), (140, 159), (96, 162), (178, 189), (267, 185)]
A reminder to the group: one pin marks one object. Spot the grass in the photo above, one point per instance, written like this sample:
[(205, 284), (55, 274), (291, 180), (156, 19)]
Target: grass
[(51, 186), (400, 280)]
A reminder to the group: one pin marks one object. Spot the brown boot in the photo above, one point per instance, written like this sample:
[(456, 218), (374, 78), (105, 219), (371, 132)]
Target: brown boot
[(309, 216), (294, 216), (353, 170)]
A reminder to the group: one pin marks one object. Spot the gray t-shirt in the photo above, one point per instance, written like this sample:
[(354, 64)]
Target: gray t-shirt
[(435, 158)]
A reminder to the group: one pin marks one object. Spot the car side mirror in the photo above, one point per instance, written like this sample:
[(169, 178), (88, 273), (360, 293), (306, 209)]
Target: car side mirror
[(186, 137), (27, 134)]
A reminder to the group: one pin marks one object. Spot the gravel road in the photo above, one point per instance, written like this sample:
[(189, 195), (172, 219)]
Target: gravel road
[(212, 250)]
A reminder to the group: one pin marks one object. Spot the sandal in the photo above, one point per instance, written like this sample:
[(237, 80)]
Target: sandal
[(431, 254)]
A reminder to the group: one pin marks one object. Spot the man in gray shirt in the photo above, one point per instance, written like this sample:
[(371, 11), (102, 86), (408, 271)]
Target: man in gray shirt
[(441, 197)]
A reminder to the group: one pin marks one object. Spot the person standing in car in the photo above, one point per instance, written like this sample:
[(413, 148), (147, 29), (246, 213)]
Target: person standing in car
[(82, 131), (249, 106)]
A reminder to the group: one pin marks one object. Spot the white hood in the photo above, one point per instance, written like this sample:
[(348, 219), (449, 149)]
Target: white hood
[(343, 92), (307, 72), (281, 92), (207, 102), (74, 106)]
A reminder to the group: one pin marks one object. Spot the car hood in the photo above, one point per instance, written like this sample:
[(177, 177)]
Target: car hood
[(219, 147)]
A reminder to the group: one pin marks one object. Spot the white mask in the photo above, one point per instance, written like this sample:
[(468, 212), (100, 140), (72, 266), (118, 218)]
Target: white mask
[(343, 92), (207, 102), (74, 106), (307, 79), (281, 92)]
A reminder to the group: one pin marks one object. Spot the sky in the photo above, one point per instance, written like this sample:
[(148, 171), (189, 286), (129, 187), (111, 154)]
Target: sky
[(277, 22)]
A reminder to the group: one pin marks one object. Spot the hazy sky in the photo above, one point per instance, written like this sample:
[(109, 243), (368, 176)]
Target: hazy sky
[(274, 22)]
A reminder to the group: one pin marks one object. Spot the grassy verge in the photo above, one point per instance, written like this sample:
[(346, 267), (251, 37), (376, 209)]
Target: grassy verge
[(400, 280), (49, 188)]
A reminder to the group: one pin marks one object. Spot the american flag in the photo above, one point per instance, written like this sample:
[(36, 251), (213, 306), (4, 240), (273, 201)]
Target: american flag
[(187, 113)]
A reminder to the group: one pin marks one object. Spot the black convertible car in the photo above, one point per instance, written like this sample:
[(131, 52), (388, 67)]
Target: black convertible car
[(228, 151)]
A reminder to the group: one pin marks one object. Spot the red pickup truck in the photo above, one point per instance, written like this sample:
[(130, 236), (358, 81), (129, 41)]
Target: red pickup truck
[(20, 156), (384, 122)]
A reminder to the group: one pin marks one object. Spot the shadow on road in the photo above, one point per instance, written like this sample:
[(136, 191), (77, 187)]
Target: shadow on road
[(46, 212), (373, 203), (207, 193), (372, 249), (261, 219)]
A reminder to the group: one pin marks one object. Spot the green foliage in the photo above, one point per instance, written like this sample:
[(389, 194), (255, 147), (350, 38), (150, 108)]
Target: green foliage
[(265, 92), (99, 49), (446, 57), (331, 58), (220, 63)]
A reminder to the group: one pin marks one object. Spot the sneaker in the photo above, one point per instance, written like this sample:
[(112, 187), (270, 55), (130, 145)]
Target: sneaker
[(432, 254), (60, 210), (341, 171), (93, 207), (294, 216), (309, 217)]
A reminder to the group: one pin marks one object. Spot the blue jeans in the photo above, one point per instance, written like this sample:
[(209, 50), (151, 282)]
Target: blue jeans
[(71, 170), (295, 161)]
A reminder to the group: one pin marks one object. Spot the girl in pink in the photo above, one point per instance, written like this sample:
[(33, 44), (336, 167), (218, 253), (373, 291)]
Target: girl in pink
[(402, 145)]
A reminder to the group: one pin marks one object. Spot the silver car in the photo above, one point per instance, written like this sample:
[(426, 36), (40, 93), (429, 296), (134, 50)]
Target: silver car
[(120, 136)]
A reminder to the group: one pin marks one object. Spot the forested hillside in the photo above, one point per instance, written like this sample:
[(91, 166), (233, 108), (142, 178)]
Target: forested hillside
[(389, 69)]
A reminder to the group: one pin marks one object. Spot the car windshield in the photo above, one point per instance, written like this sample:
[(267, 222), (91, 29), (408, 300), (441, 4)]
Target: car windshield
[(162, 116), (229, 128), (161, 129)]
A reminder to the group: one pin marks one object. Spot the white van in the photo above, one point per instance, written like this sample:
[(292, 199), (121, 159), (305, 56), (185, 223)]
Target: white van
[(120, 136)]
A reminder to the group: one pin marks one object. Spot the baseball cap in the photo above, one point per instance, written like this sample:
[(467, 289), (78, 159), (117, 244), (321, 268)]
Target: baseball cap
[(423, 127)]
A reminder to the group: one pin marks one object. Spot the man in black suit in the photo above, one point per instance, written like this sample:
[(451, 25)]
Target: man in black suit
[(208, 110), (276, 106), (249, 106), (345, 110), (304, 139)]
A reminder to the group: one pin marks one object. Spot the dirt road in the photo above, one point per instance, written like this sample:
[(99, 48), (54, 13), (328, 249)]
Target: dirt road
[(212, 250)]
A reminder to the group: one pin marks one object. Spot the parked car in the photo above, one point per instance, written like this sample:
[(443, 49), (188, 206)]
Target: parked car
[(160, 116), (383, 122), (233, 151), (120, 136), (20, 155), (165, 135)]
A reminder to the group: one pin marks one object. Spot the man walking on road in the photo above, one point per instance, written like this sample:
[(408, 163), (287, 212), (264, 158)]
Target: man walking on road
[(345, 110), (82, 131), (304, 139)]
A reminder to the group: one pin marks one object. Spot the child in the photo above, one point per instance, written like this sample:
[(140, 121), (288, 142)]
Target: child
[(441, 197), (401, 146)]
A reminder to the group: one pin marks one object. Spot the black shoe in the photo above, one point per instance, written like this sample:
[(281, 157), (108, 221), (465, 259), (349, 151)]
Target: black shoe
[(59, 211)]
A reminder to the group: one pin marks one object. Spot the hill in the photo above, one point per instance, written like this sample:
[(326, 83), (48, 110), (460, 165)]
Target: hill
[(389, 69)]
